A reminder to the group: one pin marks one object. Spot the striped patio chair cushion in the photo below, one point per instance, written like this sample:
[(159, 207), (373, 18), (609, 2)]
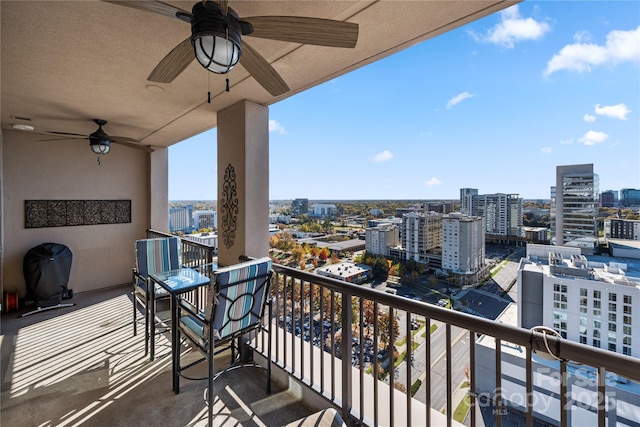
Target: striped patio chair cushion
[(238, 300), (157, 255)]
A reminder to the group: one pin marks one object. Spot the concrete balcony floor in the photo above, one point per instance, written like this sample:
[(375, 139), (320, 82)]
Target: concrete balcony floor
[(82, 365)]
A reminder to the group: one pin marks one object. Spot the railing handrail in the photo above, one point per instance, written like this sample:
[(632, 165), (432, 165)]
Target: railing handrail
[(191, 242), (626, 366)]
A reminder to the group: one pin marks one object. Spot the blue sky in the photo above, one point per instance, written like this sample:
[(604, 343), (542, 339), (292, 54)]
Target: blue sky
[(495, 105)]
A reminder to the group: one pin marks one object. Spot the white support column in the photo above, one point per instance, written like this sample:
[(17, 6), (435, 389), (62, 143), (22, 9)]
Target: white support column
[(243, 182), (159, 189)]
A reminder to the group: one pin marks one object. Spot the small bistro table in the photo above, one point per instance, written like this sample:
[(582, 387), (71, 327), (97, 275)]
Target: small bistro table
[(176, 282)]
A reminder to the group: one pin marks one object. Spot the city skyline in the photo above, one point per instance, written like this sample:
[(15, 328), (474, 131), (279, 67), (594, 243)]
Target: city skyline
[(495, 105)]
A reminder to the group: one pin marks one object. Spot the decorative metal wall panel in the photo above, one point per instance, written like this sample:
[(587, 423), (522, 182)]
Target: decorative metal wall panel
[(229, 206), (66, 213)]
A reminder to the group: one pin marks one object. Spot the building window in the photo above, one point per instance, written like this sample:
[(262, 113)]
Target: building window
[(626, 351), (596, 324), (583, 302), (626, 330), (563, 334), (626, 320), (583, 310), (583, 292), (612, 347), (596, 294), (612, 297), (627, 299), (612, 327), (596, 313), (626, 340), (596, 343), (596, 333), (626, 309), (583, 339), (612, 317), (612, 306)]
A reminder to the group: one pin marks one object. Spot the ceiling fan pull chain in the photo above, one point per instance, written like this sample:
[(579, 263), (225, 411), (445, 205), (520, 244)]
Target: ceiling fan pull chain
[(226, 28), (98, 160)]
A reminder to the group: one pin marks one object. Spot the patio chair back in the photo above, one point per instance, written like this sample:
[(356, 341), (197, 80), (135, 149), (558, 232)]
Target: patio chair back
[(238, 299), (157, 255)]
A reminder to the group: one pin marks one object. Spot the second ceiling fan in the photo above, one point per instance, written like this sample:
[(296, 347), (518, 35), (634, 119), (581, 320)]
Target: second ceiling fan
[(216, 39)]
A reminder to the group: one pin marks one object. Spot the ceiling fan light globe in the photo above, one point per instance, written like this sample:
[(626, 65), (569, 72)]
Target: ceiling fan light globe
[(215, 53), (100, 147)]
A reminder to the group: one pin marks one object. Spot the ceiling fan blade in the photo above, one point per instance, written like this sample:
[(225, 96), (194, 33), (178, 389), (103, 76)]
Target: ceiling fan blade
[(155, 7), (68, 134), (305, 30), (146, 148), (123, 139), (262, 71), (174, 63), (63, 138)]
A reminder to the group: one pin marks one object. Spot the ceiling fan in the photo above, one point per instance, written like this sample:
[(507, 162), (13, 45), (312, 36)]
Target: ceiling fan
[(100, 141), (216, 39)]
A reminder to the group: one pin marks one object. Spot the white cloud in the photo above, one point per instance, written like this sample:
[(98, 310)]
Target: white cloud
[(566, 141), (619, 111), (582, 36), (276, 127), (458, 98), (383, 156), (589, 118), (546, 150), (513, 28), (433, 182), (593, 137), (621, 46)]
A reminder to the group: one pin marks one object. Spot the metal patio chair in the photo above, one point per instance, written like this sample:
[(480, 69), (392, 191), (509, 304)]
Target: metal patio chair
[(152, 256), (236, 301)]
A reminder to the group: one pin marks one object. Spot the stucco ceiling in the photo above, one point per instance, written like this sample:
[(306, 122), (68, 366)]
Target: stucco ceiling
[(64, 63)]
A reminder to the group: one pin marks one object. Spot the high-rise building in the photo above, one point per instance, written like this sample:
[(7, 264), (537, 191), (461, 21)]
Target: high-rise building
[(552, 213), (440, 207), (629, 197), (502, 213), (379, 239), (300, 207), (609, 199), (584, 301), (181, 219), (462, 243), (465, 199), (576, 205), (421, 233), (324, 210), (205, 219)]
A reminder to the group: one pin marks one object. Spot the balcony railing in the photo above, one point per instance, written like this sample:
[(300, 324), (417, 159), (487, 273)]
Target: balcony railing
[(385, 360)]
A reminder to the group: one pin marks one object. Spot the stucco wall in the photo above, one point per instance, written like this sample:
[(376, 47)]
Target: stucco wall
[(103, 255)]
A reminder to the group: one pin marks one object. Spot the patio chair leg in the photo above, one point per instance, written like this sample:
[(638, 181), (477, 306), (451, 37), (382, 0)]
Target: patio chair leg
[(151, 319), (210, 385), (270, 314), (146, 325), (135, 314)]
